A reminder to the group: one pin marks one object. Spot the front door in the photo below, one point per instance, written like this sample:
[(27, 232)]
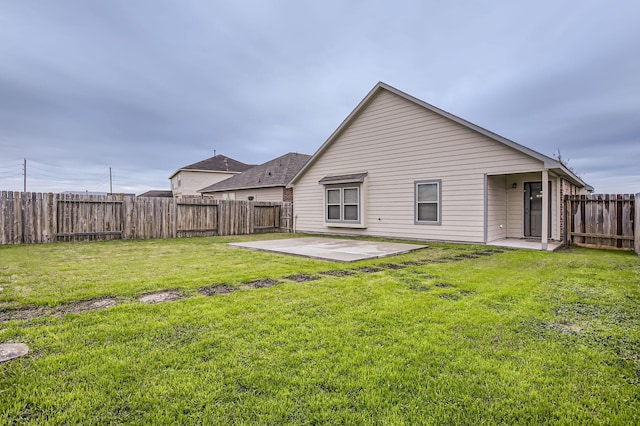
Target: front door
[(533, 209)]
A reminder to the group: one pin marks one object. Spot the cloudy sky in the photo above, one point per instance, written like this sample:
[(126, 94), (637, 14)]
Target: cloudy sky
[(148, 86)]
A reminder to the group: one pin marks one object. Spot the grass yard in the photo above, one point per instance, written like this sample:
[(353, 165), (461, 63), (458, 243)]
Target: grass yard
[(452, 334)]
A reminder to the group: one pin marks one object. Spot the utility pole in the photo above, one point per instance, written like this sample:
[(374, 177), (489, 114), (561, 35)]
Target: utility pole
[(110, 182), (25, 175)]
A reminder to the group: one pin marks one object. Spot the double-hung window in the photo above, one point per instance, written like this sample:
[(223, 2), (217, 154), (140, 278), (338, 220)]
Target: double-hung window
[(343, 203), (345, 200), (427, 202)]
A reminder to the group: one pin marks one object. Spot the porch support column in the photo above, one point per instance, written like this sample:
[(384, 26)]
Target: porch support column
[(486, 209), (545, 208)]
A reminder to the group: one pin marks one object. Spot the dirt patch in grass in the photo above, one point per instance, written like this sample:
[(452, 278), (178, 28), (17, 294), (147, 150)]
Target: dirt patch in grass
[(338, 273), (393, 266), (299, 278), (466, 256), (489, 252), (566, 327), (87, 305), (159, 297), (262, 283), (420, 287), (444, 285), (25, 313), (449, 296), (411, 263), (215, 289), (31, 312), (369, 270)]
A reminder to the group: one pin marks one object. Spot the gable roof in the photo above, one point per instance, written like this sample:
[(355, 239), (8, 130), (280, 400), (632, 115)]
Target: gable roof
[(218, 163), (548, 162), (277, 172), (157, 193)]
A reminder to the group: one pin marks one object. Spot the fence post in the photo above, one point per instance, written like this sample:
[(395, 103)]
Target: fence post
[(174, 217), (636, 224), (4, 218), (18, 218)]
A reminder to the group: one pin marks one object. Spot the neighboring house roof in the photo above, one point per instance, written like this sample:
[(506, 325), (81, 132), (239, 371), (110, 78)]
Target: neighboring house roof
[(218, 163), (157, 193), (549, 163), (277, 172)]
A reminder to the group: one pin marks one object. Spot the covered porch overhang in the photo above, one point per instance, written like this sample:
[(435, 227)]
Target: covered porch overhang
[(519, 205)]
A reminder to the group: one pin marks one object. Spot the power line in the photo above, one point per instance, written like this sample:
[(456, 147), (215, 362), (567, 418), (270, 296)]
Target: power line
[(34, 173), (11, 162), (10, 175)]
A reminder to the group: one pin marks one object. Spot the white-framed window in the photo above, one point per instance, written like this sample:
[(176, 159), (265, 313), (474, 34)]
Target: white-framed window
[(342, 203), (428, 208)]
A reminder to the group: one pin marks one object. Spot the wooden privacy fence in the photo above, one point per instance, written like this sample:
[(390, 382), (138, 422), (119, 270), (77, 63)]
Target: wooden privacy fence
[(44, 218), (603, 220)]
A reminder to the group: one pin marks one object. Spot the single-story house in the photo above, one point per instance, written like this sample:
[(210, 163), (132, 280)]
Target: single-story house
[(266, 182), (188, 179), (400, 167)]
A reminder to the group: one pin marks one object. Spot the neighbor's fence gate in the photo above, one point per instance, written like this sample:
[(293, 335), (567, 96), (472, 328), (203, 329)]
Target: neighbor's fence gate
[(603, 220), (44, 218)]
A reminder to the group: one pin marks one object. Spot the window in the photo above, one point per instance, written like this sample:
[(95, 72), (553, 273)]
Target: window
[(343, 204), (345, 200), (427, 195)]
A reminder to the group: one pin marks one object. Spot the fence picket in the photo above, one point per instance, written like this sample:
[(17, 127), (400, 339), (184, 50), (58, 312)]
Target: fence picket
[(45, 218), (601, 220)]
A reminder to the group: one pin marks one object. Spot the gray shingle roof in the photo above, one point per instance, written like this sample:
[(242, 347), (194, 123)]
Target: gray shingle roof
[(157, 193), (220, 163), (277, 172)]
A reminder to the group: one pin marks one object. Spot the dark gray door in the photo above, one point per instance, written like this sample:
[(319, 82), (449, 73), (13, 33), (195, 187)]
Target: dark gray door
[(533, 209)]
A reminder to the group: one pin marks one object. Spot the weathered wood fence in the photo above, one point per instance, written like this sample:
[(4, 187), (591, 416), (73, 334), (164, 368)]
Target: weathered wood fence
[(45, 218), (603, 220)]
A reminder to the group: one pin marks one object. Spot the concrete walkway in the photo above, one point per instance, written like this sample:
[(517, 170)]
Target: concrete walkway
[(331, 248)]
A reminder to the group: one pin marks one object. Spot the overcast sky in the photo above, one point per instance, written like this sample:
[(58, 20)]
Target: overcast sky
[(148, 86)]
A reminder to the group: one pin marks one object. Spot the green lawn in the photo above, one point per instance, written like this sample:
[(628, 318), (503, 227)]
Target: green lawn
[(452, 334)]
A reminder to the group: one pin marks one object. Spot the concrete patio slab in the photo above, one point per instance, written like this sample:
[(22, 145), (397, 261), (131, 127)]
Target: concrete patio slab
[(525, 244), (331, 248)]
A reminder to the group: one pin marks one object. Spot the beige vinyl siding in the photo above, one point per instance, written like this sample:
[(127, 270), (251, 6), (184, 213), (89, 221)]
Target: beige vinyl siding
[(398, 142), (273, 194), (497, 211), (192, 181)]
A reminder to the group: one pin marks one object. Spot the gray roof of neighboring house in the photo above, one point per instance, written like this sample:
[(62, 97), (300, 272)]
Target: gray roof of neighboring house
[(157, 193), (218, 163), (277, 172)]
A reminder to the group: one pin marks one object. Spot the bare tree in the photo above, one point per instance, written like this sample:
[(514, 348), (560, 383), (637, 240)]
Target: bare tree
[(557, 155)]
